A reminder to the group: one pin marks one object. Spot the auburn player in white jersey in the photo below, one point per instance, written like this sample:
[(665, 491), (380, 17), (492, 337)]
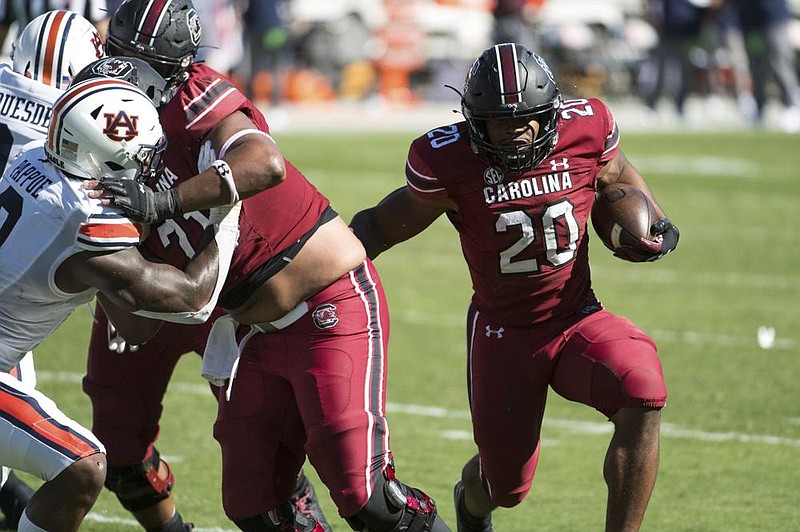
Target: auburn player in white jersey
[(58, 249), (47, 52)]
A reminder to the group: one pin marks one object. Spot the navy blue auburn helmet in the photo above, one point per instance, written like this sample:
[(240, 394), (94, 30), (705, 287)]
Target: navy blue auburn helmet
[(508, 81)]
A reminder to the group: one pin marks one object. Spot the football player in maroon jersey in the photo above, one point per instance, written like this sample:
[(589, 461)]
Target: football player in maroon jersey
[(129, 422), (517, 179), (307, 324)]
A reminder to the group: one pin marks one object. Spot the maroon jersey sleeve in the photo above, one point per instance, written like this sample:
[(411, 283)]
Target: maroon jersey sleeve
[(206, 98), (524, 237), (611, 146), (420, 177)]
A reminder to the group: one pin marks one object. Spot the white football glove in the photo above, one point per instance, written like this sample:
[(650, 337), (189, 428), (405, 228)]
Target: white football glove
[(117, 343)]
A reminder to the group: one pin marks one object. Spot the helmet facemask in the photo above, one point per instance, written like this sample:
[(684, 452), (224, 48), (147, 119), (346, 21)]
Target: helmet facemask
[(171, 71), (149, 157), (515, 157)]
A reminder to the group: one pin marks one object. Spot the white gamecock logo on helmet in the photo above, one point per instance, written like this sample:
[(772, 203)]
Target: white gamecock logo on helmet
[(113, 68), (195, 29), (493, 176)]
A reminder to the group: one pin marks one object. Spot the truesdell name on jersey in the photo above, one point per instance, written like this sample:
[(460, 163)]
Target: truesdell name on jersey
[(26, 111)]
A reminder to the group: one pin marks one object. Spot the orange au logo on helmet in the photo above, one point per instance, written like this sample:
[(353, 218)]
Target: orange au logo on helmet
[(120, 126), (99, 45)]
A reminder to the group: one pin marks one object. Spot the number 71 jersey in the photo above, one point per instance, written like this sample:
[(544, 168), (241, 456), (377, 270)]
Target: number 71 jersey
[(524, 237)]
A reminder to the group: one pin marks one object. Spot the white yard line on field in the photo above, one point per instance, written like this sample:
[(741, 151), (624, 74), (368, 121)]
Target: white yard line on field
[(121, 521), (725, 168), (589, 427), (583, 427), (687, 337)]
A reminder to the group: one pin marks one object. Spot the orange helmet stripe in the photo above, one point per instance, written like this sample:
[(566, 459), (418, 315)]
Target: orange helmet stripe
[(50, 54)]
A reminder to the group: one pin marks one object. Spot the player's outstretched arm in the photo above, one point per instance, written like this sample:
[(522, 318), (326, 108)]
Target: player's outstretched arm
[(396, 218), (159, 290), (132, 283)]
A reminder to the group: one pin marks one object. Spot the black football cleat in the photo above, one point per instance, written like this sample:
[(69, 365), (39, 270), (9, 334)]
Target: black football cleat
[(305, 503), (14, 496), (465, 522)]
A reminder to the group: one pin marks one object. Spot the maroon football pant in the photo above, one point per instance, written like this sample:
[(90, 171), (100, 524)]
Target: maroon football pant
[(600, 359), (127, 390), (316, 388)]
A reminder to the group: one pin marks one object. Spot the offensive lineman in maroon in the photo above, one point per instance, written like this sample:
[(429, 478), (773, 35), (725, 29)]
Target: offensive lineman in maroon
[(311, 321), (517, 180), (127, 390)]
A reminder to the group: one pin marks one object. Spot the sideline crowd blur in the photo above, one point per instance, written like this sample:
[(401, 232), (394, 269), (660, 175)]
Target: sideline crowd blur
[(658, 52)]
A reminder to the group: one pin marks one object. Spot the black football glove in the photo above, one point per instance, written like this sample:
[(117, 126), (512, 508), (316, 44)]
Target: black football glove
[(141, 203), (669, 237), (651, 250)]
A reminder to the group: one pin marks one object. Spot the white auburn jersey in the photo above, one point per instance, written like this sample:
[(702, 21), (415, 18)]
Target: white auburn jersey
[(45, 217), (26, 106)]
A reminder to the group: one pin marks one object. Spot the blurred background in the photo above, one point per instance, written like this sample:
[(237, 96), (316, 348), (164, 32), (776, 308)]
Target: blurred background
[(659, 63), (708, 91)]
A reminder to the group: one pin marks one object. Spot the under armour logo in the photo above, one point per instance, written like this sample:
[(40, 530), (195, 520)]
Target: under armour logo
[(223, 169), (591, 309), (555, 165), (499, 332)]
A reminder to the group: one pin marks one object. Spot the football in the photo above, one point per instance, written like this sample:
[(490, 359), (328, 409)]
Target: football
[(621, 215)]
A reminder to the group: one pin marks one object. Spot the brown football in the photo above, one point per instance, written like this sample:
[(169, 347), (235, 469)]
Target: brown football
[(621, 215)]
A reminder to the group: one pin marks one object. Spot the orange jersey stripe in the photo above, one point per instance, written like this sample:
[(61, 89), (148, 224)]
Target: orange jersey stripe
[(104, 230)]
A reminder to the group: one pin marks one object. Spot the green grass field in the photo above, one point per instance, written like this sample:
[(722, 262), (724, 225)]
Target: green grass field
[(730, 458)]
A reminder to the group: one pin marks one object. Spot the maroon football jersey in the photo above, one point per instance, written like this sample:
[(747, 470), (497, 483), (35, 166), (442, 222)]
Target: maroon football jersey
[(270, 221), (524, 237)]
